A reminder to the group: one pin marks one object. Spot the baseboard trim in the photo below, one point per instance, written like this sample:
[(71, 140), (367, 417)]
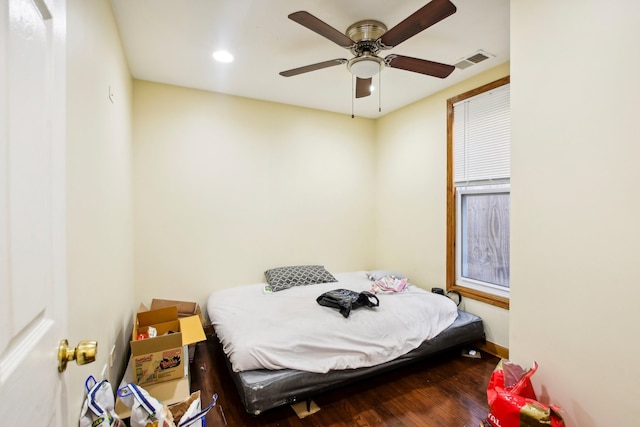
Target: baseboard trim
[(495, 349)]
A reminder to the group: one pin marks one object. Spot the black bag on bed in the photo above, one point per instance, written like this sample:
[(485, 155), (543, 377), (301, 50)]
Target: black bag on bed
[(345, 300)]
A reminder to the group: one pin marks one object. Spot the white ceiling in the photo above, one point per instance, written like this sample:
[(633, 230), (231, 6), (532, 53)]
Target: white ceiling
[(172, 41)]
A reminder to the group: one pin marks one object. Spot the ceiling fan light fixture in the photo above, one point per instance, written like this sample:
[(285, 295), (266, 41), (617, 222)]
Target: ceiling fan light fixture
[(365, 66)]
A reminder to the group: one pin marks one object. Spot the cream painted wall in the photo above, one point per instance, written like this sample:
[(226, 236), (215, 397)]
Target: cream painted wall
[(575, 210), (99, 196), (574, 233), (411, 196), (227, 187)]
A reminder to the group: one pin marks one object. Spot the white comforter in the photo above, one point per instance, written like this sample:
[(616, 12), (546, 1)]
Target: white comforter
[(290, 330)]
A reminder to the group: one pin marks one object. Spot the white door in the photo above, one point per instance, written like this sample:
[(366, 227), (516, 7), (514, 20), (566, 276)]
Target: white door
[(32, 216)]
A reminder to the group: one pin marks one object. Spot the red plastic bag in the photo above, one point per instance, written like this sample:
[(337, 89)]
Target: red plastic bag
[(513, 402)]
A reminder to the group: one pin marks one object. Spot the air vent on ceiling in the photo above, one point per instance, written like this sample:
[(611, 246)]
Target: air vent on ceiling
[(470, 60)]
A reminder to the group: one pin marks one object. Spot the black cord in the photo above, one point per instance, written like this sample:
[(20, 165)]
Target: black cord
[(457, 293)]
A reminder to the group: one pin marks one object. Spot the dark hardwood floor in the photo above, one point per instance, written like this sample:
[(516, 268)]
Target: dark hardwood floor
[(448, 390)]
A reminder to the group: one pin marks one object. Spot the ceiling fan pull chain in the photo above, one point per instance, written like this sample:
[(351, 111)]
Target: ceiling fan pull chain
[(353, 95), (379, 92)]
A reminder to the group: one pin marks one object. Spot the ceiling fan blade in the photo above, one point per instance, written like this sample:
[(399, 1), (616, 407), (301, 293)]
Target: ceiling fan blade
[(422, 66), (312, 67), (363, 87), (325, 30), (429, 14)]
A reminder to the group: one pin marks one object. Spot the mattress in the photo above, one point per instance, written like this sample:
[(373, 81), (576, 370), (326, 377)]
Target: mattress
[(263, 389), (288, 329)]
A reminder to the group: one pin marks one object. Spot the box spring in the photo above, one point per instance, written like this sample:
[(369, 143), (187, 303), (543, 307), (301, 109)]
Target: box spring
[(264, 389)]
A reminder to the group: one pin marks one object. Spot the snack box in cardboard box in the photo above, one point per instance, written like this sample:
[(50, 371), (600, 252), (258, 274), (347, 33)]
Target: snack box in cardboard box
[(161, 358)]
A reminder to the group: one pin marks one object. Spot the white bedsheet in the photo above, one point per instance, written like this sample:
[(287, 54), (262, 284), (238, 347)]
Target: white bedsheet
[(290, 330)]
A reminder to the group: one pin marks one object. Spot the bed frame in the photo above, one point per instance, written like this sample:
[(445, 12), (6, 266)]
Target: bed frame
[(264, 389)]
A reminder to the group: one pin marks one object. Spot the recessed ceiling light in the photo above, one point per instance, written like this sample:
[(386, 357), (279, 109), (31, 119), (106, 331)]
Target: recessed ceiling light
[(222, 56)]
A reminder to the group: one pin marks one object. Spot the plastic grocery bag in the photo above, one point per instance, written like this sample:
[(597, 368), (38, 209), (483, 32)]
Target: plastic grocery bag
[(98, 407), (513, 402), (146, 411)]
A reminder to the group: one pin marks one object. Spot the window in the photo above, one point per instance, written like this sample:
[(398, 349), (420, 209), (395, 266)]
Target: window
[(478, 193), (482, 238)]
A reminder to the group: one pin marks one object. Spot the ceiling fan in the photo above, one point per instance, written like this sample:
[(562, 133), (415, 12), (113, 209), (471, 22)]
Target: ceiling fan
[(365, 39)]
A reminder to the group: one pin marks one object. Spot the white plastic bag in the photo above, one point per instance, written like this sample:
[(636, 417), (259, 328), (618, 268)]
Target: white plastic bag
[(98, 408), (146, 411)]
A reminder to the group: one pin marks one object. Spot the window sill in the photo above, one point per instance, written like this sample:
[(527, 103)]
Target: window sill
[(481, 296)]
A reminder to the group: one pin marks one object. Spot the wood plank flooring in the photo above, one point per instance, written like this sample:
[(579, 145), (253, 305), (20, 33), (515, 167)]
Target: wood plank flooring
[(449, 390)]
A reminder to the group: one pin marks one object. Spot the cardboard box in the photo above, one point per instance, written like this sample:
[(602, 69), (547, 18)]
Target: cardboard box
[(185, 308), (161, 358), (168, 392)]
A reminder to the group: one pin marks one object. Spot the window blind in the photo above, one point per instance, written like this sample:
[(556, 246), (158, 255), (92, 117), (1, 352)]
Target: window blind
[(482, 137)]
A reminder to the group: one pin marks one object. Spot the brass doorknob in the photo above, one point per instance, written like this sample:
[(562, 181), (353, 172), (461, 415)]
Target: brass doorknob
[(84, 353)]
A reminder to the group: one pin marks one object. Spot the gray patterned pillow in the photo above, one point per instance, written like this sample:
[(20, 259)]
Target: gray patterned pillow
[(286, 277)]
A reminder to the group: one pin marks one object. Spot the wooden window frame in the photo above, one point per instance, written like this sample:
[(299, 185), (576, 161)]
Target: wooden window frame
[(451, 204)]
